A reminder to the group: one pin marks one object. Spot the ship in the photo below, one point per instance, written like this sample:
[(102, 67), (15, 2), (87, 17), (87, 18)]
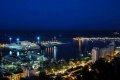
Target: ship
[(23, 45)]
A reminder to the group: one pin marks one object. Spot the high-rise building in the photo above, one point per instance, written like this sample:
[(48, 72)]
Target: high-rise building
[(103, 52), (111, 48), (107, 51), (95, 54)]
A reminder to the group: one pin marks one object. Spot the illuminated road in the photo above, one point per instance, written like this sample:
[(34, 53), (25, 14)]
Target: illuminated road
[(96, 38), (62, 71)]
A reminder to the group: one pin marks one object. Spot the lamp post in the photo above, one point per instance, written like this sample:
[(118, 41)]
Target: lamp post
[(10, 39), (17, 40), (38, 39)]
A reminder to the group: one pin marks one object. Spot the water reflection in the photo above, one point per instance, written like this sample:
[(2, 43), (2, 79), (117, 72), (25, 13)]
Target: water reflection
[(49, 52), (80, 45), (55, 52)]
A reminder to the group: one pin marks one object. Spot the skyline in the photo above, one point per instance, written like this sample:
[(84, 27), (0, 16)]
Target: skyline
[(60, 15)]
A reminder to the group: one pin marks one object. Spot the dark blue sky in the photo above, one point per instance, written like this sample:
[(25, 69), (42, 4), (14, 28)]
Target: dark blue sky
[(60, 14)]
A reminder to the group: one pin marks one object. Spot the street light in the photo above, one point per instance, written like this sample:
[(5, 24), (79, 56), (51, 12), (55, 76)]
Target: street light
[(10, 39), (17, 40), (38, 38)]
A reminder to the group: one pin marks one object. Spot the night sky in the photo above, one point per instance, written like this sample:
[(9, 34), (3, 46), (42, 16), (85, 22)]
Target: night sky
[(60, 14)]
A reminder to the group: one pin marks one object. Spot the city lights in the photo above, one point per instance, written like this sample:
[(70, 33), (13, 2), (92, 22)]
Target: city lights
[(29, 58)]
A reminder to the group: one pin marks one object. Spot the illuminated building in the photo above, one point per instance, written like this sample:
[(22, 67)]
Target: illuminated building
[(17, 76), (111, 48), (117, 50), (95, 54), (103, 52), (107, 51)]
